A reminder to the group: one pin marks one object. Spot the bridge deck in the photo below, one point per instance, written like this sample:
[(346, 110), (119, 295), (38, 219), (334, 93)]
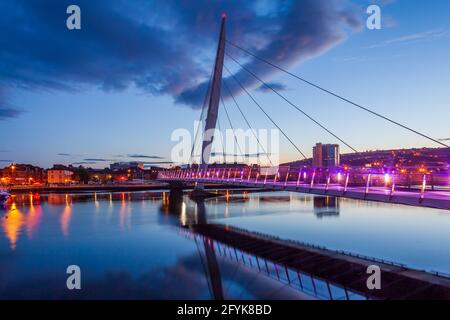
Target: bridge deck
[(431, 199), (349, 272)]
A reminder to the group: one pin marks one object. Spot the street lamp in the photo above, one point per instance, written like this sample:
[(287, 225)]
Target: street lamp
[(13, 167)]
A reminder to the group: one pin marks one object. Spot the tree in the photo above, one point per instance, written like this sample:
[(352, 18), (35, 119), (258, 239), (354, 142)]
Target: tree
[(81, 175)]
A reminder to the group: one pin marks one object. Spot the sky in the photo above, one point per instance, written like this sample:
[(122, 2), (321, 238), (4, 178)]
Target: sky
[(136, 71)]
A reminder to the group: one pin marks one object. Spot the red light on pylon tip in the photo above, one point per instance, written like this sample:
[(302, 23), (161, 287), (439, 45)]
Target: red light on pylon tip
[(224, 15)]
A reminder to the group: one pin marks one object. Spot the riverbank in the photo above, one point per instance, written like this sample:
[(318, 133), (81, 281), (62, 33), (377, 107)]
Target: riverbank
[(106, 187)]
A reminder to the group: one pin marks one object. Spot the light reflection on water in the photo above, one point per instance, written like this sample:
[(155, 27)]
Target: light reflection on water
[(129, 245)]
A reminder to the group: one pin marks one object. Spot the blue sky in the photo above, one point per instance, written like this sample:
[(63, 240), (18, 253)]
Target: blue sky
[(135, 72)]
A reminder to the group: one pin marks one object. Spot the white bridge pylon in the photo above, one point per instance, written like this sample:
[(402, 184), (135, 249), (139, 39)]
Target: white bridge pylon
[(213, 103)]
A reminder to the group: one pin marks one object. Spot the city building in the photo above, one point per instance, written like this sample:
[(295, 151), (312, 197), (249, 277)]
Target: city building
[(22, 174), (326, 155), (59, 176)]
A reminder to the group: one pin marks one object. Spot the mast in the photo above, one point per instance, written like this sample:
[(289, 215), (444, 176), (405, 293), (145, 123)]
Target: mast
[(213, 106), (214, 99)]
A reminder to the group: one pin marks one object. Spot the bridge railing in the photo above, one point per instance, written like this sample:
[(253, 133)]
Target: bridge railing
[(361, 180), (343, 179)]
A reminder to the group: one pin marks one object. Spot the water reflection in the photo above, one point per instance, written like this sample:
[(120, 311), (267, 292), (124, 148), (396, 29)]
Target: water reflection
[(65, 219), (326, 206), (138, 239), (34, 216), (12, 225)]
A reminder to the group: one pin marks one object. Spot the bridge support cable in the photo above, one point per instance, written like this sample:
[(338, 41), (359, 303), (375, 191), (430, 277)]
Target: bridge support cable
[(292, 104), (232, 128), (205, 101), (266, 114), (339, 96), (246, 121), (223, 141), (205, 271)]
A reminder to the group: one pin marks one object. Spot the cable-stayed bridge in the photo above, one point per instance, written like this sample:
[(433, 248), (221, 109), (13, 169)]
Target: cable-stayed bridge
[(417, 188)]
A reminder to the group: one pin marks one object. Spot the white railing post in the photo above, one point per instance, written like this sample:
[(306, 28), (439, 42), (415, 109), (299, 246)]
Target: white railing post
[(392, 188), (347, 177), (424, 187), (312, 179), (298, 178), (287, 176), (328, 182), (369, 177)]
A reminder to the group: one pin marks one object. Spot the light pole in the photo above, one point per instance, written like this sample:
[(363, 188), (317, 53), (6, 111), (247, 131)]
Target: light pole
[(13, 167)]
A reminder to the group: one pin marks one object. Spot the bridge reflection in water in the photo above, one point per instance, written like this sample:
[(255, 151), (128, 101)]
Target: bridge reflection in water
[(306, 269), (313, 270)]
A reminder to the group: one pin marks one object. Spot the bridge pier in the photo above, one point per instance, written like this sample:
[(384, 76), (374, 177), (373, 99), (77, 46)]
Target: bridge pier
[(200, 193)]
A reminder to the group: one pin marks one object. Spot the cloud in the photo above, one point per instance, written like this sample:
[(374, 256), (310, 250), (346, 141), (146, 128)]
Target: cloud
[(163, 47), (274, 85), (435, 34), (444, 139), (286, 35), (98, 160), (6, 112), (142, 156), (6, 161), (6, 109), (84, 162), (157, 162), (64, 154)]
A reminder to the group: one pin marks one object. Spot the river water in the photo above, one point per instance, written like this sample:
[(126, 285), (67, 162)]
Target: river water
[(133, 246)]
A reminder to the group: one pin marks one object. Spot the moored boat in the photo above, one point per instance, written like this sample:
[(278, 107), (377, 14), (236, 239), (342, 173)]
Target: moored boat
[(4, 196)]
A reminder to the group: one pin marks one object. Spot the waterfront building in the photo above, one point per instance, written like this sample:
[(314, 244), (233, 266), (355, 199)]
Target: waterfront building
[(59, 176), (22, 174), (326, 155)]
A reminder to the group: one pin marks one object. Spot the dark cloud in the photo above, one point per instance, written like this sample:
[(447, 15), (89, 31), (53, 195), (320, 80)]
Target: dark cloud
[(286, 35), (274, 85), (157, 162), (7, 112), (64, 154), (6, 161), (143, 156), (6, 109), (161, 47), (84, 162)]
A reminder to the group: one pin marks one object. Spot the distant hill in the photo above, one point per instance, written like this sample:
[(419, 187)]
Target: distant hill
[(429, 157)]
